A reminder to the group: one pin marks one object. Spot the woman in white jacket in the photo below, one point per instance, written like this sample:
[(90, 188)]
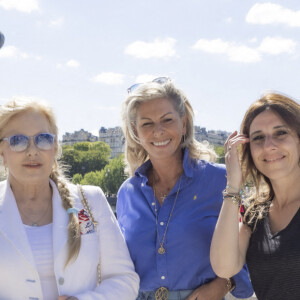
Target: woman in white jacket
[(55, 242)]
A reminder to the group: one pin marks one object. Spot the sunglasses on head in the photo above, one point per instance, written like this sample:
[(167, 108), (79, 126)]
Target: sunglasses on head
[(159, 80), (20, 142)]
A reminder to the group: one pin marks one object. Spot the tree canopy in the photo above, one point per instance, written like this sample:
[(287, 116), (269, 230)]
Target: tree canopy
[(85, 157), (109, 178)]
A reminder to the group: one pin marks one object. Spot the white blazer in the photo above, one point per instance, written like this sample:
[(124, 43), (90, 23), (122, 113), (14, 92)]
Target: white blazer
[(19, 278)]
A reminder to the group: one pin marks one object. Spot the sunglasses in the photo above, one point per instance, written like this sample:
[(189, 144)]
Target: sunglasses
[(159, 80), (20, 142)]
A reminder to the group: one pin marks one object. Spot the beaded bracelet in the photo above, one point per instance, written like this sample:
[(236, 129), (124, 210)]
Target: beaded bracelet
[(235, 197)]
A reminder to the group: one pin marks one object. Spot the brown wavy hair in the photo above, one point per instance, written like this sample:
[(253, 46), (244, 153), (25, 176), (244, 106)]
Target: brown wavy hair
[(259, 199)]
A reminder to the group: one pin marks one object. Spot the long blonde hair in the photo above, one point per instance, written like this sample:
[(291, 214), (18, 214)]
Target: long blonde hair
[(12, 109), (135, 154), (259, 199)]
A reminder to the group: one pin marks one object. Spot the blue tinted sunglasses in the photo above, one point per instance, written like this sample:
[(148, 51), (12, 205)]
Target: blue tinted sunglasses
[(159, 80), (20, 142)]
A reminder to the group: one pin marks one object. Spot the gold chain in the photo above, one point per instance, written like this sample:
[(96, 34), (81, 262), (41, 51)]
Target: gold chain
[(87, 206), (161, 249), (89, 211)]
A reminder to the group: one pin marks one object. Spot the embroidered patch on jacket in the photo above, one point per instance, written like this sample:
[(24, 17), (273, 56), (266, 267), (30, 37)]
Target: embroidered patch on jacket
[(86, 225)]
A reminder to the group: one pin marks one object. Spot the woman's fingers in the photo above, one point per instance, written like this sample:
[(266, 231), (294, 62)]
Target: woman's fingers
[(232, 160), (234, 140)]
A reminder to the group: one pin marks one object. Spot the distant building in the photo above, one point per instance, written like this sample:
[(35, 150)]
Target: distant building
[(114, 137), (213, 137), (78, 136)]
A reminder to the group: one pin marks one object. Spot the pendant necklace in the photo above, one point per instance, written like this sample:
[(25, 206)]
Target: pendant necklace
[(161, 249), (162, 292)]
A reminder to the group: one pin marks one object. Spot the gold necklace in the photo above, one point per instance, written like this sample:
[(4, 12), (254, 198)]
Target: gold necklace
[(161, 249), (162, 195), (162, 292)]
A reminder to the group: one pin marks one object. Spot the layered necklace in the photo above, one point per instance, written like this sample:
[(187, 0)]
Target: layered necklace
[(162, 292)]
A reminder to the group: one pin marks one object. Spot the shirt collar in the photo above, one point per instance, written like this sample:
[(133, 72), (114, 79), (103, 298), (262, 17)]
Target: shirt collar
[(187, 166)]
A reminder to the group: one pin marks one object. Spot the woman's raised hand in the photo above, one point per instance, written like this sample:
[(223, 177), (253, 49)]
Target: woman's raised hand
[(233, 165)]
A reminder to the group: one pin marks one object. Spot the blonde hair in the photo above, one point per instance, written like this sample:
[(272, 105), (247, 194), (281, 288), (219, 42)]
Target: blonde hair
[(259, 199), (17, 106), (135, 154)]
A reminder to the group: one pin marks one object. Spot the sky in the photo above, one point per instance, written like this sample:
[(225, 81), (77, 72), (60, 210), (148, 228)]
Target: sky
[(80, 56)]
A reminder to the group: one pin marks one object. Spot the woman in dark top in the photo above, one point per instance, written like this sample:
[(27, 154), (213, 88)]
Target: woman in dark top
[(268, 236)]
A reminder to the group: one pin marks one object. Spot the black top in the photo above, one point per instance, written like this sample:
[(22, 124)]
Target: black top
[(274, 261)]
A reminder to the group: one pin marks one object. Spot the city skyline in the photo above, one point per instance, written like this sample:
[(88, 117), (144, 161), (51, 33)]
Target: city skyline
[(80, 57)]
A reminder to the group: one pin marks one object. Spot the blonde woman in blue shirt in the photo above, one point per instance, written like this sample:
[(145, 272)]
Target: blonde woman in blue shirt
[(169, 206)]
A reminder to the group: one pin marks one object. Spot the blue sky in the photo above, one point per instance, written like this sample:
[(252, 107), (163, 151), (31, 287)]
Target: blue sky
[(81, 55)]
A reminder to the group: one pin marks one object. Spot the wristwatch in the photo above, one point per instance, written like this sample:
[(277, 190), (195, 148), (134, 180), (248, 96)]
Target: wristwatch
[(230, 284)]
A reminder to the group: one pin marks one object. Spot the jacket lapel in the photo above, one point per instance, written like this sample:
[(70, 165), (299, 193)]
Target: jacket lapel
[(11, 224)]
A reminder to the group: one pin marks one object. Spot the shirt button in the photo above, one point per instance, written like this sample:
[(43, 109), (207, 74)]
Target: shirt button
[(61, 280), (162, 223), (163, 277), (142, 184), (153, 203)]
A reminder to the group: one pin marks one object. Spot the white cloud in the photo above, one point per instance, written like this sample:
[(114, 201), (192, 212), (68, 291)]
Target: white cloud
[(270, 13), (245, 54), (253, 40), (26, 6), (72, 63), (56, 23), (277, 45), (228, 20), (157, 49), (238, 53), (12, 52), (109, 78)]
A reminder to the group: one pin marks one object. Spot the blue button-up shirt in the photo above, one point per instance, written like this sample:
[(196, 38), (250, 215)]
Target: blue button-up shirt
[(186, 264)]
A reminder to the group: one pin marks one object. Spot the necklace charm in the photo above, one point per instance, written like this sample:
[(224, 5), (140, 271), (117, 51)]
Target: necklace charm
[(161, 293), (34, 225), (161, 250)]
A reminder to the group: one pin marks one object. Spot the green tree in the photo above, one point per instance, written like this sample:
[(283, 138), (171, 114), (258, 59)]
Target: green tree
[(221, 154), (92, 178), (85, 157), (71, 159), (82, 146), (113, 175), (77, 178)]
